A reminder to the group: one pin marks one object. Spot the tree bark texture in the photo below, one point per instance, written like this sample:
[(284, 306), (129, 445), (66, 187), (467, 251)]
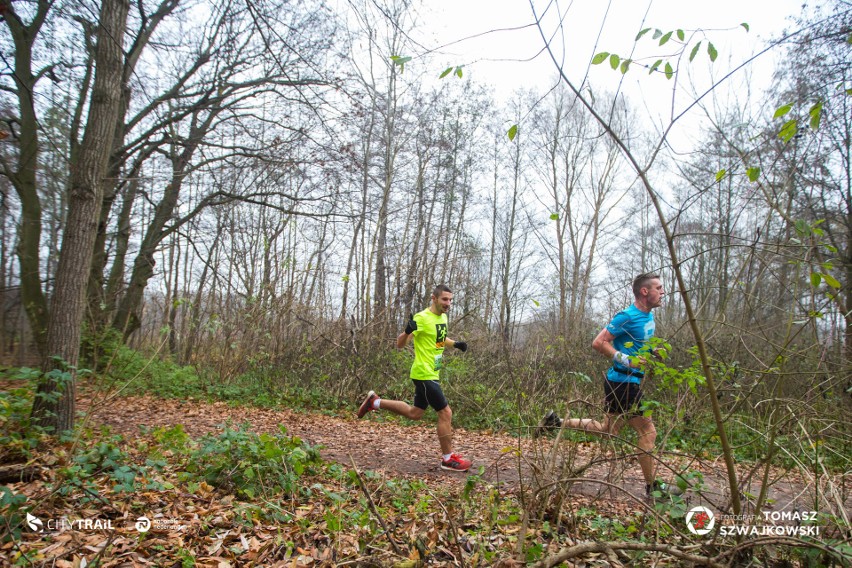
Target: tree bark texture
[(54, 404), (23, 176)]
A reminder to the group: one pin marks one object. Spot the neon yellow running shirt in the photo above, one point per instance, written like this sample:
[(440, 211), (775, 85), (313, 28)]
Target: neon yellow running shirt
[(429, 340)]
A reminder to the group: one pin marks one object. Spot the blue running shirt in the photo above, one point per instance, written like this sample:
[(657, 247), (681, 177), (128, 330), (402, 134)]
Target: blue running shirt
[(632, 328)]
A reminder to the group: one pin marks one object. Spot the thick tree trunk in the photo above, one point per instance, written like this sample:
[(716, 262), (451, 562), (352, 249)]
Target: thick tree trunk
[(23, 177), (54, 404)]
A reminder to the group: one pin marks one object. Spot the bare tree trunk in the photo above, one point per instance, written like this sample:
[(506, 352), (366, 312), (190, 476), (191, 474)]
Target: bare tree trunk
[(506, 313), (195, 310), (86, 185), (24, 175), (122, 242), (492, 257)]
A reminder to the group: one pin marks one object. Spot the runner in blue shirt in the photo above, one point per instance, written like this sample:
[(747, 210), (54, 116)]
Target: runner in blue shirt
[(621, 341)]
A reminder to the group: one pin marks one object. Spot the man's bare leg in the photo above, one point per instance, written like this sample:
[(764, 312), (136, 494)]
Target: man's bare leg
[(610, 426), (402, 408), (647, 434), (445, 430)]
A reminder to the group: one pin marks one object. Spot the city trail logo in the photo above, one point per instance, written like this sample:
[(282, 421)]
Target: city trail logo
[(53, 525), (34, 523), (700, 520)]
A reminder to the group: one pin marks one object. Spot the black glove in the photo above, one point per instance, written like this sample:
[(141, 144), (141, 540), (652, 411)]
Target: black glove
[(411, 326), (461, 346)]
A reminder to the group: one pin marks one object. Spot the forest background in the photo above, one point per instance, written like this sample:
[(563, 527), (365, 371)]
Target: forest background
[(245, 200)]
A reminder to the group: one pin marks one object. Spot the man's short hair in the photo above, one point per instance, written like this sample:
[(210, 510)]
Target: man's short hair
[(642, 280), (440, 289)]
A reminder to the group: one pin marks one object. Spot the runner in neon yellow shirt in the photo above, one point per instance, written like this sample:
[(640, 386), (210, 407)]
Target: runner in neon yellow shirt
[(429, 329)]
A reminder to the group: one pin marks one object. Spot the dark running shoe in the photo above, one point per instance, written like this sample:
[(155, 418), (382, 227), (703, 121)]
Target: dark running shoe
[(550, 422), (367, 405), (456, 463)]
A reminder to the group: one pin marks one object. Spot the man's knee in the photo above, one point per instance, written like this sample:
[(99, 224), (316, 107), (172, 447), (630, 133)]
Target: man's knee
[(445, 414), (647, 433), (416, 413)]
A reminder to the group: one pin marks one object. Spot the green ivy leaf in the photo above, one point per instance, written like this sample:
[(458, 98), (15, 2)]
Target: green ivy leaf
[(641, 33), (753, 174), (534, 301), (655, 66), (600, 58), (816, 278), (711, 51), (614, 60), (513, 131), (401, 61), (657, 33), (782, 110), (788, 130), (446, 72), (831, 281), (802, 227), (669, 71), (746, 26), (815, 113), (694, 51), (680, 35), (720, 174), (625, 65), (666, 37), (554, 216)]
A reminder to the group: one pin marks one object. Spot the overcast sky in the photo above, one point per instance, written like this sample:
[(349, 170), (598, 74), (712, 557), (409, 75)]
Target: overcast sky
[(511, 59)]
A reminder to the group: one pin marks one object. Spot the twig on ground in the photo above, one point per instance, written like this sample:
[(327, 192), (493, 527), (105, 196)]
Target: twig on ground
[(452, 526), (608, 547), (373, 508)]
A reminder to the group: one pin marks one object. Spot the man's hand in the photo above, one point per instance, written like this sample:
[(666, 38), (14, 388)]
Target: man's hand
[(460, 345), (624, 360), (411, 326)]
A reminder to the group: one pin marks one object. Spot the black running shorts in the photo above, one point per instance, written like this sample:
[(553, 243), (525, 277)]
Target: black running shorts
[(622, 398), (429, 393)]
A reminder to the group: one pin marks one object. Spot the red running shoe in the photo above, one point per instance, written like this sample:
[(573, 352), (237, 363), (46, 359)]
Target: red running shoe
[(456, 463), (367, 405)]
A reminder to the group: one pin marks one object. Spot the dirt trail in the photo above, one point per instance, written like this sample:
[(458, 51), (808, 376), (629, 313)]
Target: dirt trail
[(403, 449)]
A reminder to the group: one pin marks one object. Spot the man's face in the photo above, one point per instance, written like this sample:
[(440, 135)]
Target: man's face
[(443, 302), (654, 293)]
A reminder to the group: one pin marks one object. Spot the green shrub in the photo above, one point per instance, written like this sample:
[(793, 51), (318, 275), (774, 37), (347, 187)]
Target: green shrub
[(135, 374), (104, 457), (11, 514), (249, 464), (18, 437)]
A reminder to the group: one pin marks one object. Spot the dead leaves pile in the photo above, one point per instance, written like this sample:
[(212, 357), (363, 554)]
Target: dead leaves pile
[(88, 524)]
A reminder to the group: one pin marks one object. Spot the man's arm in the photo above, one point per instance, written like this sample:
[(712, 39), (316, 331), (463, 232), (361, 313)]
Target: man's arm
[(410, 328), (402, 340), (603, 345), (460, 345)]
